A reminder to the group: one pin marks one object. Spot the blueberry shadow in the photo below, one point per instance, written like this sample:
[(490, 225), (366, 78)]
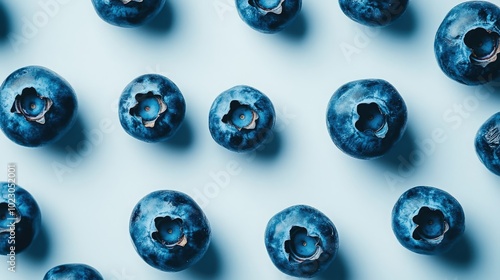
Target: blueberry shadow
[(336, 271), (209, 267), (400, 153), (298, 28), (5, 24), (462, 255), (491, 89), (271, 148), (183, 138), (72, 138), (39, 250), (163, 22), (406, 25)]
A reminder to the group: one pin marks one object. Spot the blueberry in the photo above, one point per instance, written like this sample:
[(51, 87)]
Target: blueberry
[(268, 16), (365, 118), (73, 271), (487, 143), (169, 230), (151, 108), (467, 43), (301, 241), (241, 119), (37, 106), (427, 220), (128, 13), (20, 219), (373, 12)]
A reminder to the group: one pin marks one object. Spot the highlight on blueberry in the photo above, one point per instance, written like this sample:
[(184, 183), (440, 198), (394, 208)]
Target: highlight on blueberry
[(37, 106), (128, 13), (169, 230), (73, 271), (427, 220), (151, 108), (365, 118), (241, 119), (487, 142), (19, 217), (301, 241), (268, 16), (467, 43), (373, 12)]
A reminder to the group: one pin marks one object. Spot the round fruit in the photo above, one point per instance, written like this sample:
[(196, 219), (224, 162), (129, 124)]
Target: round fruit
[(427, 220), (365, 118), (169, 230)]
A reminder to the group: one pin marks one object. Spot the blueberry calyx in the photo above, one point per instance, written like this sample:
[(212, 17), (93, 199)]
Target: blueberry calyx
[(492, 137), (31, 105), (8, 217), (484, 44), (268, 6), (241, 116), (170, 232), (301, 246), (431, 225), (371, 120), (148, 108), (128, 1)]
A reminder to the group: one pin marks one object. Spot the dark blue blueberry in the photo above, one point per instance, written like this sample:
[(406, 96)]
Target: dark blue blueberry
[(151, 108), (20, 219), (128, 13), (467, 43), (268, 16), (301, 241), (365, 118), (73, 271), (37, 106), (241, 119), (169, 230), (373, 12), (427, 220), (487, 143)]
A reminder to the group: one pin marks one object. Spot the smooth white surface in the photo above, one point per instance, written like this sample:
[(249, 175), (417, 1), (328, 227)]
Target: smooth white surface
[(205, 48)]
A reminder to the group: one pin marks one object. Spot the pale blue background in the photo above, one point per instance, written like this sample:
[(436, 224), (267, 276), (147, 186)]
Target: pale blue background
[(205, 48)]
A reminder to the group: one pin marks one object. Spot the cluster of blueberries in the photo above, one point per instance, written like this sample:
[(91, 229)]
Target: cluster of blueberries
[(365, 118)]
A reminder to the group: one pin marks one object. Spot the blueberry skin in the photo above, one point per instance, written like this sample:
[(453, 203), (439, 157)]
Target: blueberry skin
[(58, 119), (278, 232), (167, 123), (262, 16), (131, 14), (373, 12), (487, 143), (451, 47), (343, 115), (176, 205), (407, 208), (241, 140), (25, 218), (73, 271)]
